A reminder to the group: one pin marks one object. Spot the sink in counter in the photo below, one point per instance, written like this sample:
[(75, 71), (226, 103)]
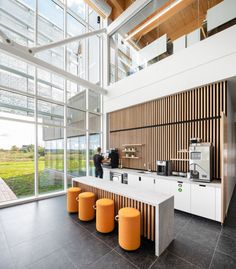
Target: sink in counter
[(144, 172)]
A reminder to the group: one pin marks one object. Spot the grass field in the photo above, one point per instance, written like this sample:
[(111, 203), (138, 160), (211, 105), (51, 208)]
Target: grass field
[(17, 170)]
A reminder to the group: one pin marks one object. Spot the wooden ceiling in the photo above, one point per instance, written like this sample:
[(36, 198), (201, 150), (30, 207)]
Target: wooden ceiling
[(182, 19), (118, 6)]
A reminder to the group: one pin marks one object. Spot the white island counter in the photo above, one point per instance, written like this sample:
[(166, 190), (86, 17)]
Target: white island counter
[(157, 210)]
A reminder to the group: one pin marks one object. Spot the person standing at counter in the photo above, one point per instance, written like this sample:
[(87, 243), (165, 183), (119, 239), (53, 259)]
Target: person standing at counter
[(98, 160)]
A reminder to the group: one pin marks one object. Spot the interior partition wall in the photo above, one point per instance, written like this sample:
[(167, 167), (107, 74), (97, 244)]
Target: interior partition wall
[(161, 129), (49, 127)]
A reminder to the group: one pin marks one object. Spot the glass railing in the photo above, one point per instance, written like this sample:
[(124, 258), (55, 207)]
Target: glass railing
[(166, 30)]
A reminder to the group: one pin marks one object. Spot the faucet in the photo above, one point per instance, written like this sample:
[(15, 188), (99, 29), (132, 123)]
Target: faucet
[(148, 167)]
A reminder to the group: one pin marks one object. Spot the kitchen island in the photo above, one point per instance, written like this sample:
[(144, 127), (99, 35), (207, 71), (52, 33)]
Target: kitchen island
[(157, 210)]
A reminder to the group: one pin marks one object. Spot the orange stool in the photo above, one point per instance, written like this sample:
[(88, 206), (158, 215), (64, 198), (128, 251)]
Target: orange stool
[(129, 228), (105, 215), (86, 203), (72, 204)]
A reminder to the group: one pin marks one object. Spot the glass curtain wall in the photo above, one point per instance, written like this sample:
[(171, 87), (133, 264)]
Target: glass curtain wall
[(44, 133)]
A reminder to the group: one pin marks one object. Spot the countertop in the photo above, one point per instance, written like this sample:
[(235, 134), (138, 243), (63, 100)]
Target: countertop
[(214, 183), (149, 197)]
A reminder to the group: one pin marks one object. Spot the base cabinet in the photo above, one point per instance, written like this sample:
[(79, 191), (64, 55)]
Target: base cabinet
[(145, 183), (203, 201), (218, 205), (162, 186), (133, 180), (106, 174), (181, 191), (196, 198)]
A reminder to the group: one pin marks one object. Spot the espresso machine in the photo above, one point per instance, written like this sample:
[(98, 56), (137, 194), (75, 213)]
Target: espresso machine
[(200, 161), (164, 168)]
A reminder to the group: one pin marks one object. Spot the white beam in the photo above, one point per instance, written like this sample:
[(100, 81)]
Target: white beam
[(4, 37), (21, 52), (65, 41), (127, 15)]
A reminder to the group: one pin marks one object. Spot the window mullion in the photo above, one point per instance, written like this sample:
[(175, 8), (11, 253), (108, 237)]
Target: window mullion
[(36, 179), (65, 99)]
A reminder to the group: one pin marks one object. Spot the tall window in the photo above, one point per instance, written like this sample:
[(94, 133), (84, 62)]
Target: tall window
[(43, 117)]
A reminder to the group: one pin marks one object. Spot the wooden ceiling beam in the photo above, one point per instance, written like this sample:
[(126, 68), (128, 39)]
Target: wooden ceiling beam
[(118, 4), (182, 5)]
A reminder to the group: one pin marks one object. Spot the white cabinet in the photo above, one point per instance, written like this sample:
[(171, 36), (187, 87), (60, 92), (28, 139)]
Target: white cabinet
[(106, 174), (133, 180), (197, 198), (203, 200), (181, 192), (142, 182), (147, 183), (218, 204), (162, 186)]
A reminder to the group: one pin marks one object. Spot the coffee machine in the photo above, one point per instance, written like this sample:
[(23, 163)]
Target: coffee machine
[(200, 162), (163, 168)]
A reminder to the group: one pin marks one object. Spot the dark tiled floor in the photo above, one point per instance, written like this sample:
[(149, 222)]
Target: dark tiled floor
[(42, 235)]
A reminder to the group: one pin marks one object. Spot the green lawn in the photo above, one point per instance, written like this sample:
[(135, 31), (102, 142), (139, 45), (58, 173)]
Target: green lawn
[(17, 170)]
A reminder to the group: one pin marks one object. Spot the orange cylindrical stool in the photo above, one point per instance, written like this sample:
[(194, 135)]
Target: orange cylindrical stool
[(86, 203), (72, 204), (105, 215), (129, 228)]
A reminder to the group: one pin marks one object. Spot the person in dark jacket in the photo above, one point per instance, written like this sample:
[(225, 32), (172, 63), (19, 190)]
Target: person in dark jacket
[(98, 160), (114, 158)]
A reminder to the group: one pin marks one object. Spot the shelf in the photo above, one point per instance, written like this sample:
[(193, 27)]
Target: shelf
[(132, 145), (131, 157), (129, 151), (181, 160)]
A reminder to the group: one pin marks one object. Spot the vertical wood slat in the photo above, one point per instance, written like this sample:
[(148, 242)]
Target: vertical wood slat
[(167, 129)]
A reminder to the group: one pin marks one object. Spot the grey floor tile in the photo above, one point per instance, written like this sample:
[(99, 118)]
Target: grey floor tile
[(31, 251), (6, 261), (112, 260), (195, 253), (142, 257), (227, 245), (3, 240), (88, 225), (214, 226), (223, 261), (200, 233), (49, 235), (111, 239), (181, 219), (229, 228), (30, 229), (85, 250), (57, 260), (170, 261)]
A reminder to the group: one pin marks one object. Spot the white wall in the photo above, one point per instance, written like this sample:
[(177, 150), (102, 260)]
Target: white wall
[(231, 146), (210, 60)]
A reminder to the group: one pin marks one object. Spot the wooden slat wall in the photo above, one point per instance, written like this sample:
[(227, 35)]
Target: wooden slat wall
[(147, 211), (165, 126)]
